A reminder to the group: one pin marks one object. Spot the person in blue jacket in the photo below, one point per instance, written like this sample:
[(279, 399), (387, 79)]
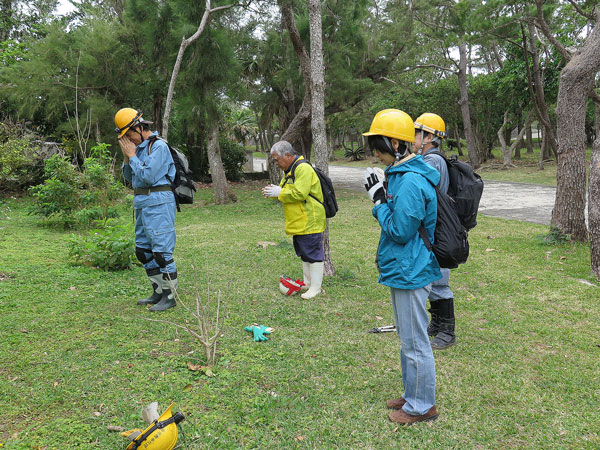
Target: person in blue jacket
[(404, 197), (148, 165)]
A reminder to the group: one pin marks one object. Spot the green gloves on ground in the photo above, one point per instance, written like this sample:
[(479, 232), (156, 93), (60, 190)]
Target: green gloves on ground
[(259, 332)]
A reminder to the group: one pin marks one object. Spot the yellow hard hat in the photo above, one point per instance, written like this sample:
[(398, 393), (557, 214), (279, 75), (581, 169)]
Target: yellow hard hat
[(432, 123), (126, 118), (392, 123), (160, 434)]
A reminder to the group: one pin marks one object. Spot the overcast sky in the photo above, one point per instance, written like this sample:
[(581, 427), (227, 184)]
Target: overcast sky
[(64, 7)]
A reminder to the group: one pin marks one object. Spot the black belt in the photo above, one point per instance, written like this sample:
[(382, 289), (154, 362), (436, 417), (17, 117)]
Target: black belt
[(146, 191)]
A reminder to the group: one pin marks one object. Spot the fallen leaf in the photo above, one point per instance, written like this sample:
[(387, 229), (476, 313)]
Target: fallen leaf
[(188, 387), (194, 367), (299, 438), (115, 428), (490, 249), (265, 244), (562, 258), (206, 370), (23, 330), (73, 288), (97, 413)]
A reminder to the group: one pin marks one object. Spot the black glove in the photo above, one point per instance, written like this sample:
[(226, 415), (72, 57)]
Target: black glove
[(374, 186)]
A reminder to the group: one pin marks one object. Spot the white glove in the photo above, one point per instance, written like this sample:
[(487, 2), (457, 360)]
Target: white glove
[(271, 191), (374, 185)]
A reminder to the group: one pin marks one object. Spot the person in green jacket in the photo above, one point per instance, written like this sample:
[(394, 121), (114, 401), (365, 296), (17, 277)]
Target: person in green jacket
[(302, 199)]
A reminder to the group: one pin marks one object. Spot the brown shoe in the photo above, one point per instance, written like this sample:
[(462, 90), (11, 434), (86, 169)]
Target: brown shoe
[(402, 418), (396, 403)]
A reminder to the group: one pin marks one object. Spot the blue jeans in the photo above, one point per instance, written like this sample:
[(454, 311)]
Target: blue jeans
[(440, 289), (416, 356)]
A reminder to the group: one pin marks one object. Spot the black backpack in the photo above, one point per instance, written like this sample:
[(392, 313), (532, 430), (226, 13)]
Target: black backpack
[(329, 201), (182, 186), (465, 188), (451, 246)]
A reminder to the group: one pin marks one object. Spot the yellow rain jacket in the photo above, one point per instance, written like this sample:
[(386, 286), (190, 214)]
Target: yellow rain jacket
[(303, 214)]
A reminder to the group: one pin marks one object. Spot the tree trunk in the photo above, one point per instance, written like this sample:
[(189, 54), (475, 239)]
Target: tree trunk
[(576, 83), (319, 135), (506, 156), (184, 44), (295, 130), (222, 193), (157, 105), (594, 200), (539, 97), (464, 105), (529, 134), (520, 126)]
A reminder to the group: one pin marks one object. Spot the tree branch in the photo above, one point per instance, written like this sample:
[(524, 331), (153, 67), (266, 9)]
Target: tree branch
[(542, 25), (591, 17)]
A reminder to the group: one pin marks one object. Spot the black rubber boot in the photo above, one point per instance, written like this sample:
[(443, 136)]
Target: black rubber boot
[(445, 337), (434, 323), (167, 300), (156, 280)]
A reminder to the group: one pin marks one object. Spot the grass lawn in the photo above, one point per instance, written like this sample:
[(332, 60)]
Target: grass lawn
[(77, 355)]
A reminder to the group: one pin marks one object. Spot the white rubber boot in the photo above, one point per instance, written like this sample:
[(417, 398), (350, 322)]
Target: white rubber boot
[(316, 278), (306, 275)]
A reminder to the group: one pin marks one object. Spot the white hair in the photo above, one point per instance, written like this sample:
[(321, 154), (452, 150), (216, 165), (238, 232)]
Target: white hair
[(283, 148)]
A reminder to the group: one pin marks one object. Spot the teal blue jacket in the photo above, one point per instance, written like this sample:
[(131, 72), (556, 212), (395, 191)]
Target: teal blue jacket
[(402, 257)]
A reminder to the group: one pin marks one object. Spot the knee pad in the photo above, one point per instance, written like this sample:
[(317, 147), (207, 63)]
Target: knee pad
[(160, 259), (141, 254)]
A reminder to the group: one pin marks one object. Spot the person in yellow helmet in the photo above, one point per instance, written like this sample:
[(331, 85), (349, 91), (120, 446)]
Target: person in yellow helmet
[(302, 198), (149, 166), (430, 130), (405, 200)]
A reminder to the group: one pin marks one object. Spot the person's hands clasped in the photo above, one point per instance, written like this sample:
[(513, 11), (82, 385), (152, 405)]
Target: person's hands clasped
[(127, 147), (271, 190), (374, 186)]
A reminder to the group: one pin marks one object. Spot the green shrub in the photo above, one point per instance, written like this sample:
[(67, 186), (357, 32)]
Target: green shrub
[(355, 154), (554, 237), (110, 247), (21, 164), (233, 156), (71, 196), (60, 194)]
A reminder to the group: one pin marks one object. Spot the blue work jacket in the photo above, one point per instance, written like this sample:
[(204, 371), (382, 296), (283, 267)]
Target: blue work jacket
[(149, 169), (402, 257)]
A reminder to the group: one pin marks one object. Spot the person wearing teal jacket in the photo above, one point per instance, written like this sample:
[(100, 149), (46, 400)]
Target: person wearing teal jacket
[(404, 197), (302, 198)]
